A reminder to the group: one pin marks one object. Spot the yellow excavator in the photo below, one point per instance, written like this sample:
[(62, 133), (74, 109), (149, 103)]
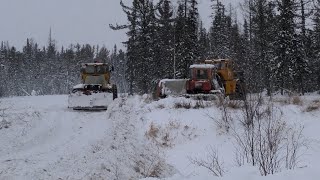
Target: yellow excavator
[(96, 91), (233, 82)]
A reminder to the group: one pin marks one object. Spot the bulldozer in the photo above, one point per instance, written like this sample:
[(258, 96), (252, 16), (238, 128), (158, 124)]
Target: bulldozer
[(208, 78), (96, 91)]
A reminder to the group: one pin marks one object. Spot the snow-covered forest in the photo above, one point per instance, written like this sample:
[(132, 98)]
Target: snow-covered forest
[(277, 45), (271, 133), (47, 70)]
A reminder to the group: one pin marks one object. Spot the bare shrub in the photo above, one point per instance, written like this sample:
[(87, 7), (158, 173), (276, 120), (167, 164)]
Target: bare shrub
[(233, 104), (4, 123), (199, 104), (165, 135), (212, 162), (166, 139), (160, 135), (290, 99), (296, 100), (194, 104), (225, 121), (185, 105), (315, 105), (295, 142), (152, 131), (316, 101), (220, 101), (150, 165), (174, 125), (266, 140), (161, 106)]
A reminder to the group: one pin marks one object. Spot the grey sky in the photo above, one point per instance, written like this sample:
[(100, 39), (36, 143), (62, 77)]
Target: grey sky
[(71, 21)]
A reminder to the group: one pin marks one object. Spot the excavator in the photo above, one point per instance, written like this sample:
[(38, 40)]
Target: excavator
[(208, 78), (95, 92)]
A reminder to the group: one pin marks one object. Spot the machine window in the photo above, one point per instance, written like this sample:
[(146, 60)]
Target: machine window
[(89, 69), (202, 74), (102, 69)]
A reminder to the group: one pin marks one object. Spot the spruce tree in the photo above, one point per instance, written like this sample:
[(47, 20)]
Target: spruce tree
[(180, 43), (315, 46), (262, 38), (284, 47), (140, 45), (219, 34), (192, 26), (203, 43), (165, 40), (186, 37)]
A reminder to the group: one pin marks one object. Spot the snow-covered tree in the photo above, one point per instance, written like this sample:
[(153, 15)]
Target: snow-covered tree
[(284, 47)]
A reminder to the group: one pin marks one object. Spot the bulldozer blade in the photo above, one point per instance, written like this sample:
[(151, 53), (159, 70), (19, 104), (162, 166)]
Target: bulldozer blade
[(172, 87), (94, 101)]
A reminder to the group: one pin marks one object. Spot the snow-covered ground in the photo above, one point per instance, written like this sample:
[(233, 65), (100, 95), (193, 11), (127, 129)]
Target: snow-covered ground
[(40, 138)]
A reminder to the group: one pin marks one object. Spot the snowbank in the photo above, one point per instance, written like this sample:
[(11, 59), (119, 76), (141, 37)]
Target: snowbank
[(136, 138)]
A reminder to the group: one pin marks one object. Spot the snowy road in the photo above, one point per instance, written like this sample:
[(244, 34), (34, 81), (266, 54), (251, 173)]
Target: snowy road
[(45, 138)]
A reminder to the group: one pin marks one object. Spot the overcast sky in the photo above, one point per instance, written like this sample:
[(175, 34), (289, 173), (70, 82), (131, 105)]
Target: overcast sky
[(71, 21)]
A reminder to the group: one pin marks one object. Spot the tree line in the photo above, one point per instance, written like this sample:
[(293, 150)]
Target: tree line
[(277, 45), (46, 70)]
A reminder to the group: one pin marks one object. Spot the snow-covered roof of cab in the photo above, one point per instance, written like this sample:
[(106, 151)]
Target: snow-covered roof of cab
[(215, 60), (92, 64), (203, 66)]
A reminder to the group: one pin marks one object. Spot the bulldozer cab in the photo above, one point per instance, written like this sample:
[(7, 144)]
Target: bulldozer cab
[(95, 73), (202, 71), (95, 68)]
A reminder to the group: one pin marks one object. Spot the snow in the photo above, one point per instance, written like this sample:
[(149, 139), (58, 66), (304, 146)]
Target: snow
[(204, 66), (92, 64), (78, 99), (46, 140), (79, 86), (173, 86), (171, 80)]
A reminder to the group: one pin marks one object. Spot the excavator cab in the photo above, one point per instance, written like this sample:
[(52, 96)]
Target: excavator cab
[(233, 84)]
